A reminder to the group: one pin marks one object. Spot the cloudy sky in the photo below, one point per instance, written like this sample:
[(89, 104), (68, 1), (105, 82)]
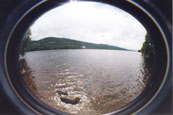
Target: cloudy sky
[(91, 22)]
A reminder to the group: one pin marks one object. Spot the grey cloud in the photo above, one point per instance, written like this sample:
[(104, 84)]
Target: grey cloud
[(91, 22)]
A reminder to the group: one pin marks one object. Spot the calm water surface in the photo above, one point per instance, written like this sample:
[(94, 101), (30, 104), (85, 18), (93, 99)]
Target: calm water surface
[(97, 81)]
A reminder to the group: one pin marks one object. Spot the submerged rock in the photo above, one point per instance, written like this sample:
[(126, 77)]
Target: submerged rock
[(60, 92), (70, 100)]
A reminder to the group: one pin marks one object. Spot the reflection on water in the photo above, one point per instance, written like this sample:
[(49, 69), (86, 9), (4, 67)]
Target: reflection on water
[(86, 81)]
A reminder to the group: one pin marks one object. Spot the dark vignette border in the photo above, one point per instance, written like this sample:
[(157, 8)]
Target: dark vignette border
[(17, 34)]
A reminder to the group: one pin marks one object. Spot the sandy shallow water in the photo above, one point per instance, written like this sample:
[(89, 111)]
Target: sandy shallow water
[(84, 81)]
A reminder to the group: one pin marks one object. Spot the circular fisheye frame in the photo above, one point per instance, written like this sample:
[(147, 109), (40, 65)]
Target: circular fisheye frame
[(86, 57), (71, 74)]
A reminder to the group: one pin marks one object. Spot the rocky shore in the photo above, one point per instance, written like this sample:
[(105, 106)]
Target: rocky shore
[(28, 78)]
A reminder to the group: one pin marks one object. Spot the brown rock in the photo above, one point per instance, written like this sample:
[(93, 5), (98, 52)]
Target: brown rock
[(60, 92), (70, 100)]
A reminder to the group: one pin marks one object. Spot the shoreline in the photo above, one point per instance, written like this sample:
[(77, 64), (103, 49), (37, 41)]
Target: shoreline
[(26, 73)]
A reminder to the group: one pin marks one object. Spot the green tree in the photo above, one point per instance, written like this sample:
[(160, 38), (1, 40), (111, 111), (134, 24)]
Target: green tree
[(148, 53), (26, 42), (147, 49)]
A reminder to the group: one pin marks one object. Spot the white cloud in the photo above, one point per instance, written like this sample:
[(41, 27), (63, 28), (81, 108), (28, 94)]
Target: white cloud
[(91, 22)]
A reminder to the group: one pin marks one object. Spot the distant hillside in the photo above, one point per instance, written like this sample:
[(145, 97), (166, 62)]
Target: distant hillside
[(51, 43)]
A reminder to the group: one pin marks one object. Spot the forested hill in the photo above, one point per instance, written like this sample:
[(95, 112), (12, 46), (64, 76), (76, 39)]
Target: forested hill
[(51, 43)]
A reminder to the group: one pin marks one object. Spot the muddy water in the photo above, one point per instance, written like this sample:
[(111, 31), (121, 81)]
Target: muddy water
[(86, 81)]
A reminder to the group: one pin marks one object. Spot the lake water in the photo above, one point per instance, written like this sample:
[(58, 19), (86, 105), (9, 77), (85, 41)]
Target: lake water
[(95, 81)]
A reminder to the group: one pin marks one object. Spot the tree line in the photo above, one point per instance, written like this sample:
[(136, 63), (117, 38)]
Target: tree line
[(51, 43)]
